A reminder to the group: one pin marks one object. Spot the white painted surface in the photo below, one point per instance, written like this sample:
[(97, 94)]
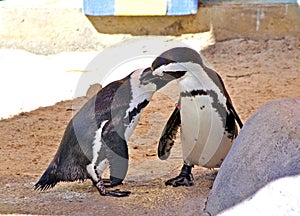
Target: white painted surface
[(29, 81)]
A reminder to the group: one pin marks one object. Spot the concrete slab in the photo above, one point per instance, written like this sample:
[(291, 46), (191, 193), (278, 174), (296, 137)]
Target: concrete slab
[(229, 19), (255, 21)]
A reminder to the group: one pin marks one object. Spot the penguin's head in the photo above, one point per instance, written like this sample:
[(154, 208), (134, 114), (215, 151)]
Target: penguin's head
[(174, 63), (147, 77)]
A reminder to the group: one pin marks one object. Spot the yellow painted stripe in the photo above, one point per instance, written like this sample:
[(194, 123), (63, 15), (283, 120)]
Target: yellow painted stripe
[(140, 7), (76, 71)]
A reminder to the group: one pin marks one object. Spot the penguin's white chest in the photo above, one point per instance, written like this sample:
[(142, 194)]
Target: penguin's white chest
[(131, 126), (203, 115), (141, 95)]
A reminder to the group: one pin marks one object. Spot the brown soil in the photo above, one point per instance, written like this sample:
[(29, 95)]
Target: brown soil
[(253, 71)]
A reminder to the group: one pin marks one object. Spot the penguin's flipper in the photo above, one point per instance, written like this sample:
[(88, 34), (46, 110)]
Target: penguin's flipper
[(116, 153), (168, 136), (234, 113)]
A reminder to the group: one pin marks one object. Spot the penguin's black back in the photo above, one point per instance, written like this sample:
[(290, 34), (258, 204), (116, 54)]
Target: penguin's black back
[(75, 150)]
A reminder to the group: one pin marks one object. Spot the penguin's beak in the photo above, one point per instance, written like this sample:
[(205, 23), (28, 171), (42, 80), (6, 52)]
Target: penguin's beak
[(174, 74), (166, 77), (168, 74), (160, 80), (167, 69), (147, 77)]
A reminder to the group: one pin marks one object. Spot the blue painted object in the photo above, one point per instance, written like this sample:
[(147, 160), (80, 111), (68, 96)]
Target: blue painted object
[(107, 7), (180, 7), (99, 7)]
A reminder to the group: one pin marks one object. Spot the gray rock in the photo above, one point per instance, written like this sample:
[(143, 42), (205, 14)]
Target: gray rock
[(267, 149)]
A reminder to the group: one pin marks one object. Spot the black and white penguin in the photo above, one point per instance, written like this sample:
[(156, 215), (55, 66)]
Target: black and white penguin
[(96, 137), (204, 112)]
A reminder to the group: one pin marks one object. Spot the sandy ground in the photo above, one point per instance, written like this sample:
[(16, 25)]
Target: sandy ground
[(254, 72)]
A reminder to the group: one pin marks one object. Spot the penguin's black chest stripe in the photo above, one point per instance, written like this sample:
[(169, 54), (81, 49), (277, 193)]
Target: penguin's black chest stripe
[(193, 93), (219, 107), (136, 110)]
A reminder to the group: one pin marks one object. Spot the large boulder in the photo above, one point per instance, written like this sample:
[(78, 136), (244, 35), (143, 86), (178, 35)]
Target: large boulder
[(266, 150)]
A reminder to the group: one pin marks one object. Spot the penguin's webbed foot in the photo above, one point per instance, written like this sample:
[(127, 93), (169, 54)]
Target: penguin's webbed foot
[(115, 193), (185, 178), (181, 181)]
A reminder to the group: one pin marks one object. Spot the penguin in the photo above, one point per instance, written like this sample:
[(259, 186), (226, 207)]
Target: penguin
[(205, 113), (96, 137)]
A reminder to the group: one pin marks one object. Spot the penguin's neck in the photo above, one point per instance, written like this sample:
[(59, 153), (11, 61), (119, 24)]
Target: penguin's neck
[(140, 91), (200, 78), (141, 95)]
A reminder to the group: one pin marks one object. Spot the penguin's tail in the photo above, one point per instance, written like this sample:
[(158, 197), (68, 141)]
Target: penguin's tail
[(49, 179)]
